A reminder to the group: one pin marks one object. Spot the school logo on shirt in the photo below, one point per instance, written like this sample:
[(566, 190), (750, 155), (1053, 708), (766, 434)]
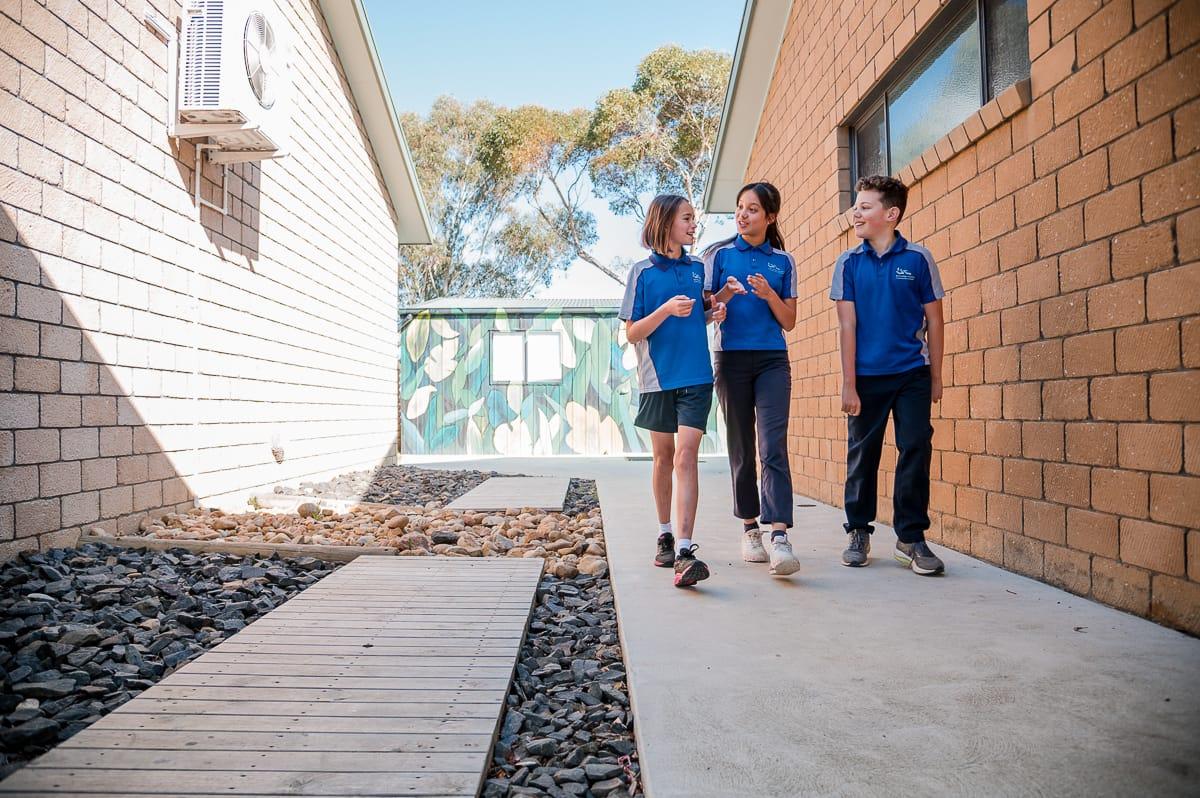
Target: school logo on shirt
[(904, 274), (696, 278), (774, 267)]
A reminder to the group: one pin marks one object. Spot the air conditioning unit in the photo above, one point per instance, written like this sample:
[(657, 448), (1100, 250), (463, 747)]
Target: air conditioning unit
[(234, 80)]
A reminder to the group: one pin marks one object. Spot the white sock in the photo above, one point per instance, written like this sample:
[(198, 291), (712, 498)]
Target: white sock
[(685, 544), (664, 529)]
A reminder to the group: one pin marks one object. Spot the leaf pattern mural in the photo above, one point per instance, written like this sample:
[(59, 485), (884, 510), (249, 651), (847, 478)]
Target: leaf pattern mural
[(449, 405)]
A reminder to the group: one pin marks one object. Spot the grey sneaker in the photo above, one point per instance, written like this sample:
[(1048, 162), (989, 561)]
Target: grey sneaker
[(920, 558), (856, 553), (783, 561), (752, 547)]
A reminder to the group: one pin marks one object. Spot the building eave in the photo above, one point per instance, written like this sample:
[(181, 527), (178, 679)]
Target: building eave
[(764, 23), (355, 46)]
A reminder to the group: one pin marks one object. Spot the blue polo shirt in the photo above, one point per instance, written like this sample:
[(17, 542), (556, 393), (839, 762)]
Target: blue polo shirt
[(676, 354), (889, 296), (749, 322)]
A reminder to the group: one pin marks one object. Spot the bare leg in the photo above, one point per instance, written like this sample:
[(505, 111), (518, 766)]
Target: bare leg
[(663, 446), (687, 477)]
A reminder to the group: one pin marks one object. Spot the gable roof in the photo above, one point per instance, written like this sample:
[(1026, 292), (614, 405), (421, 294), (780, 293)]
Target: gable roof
[(355, 47), (764, 23)]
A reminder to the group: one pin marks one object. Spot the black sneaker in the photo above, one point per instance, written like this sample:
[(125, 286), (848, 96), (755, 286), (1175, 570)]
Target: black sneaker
[(920, 558), (689, 570), (856, 553), (665, 557)]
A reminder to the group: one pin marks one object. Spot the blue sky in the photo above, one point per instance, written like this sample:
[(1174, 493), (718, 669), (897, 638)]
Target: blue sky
[(559, 54)]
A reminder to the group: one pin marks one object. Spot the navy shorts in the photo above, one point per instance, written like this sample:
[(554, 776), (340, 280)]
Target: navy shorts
[(667, 411)]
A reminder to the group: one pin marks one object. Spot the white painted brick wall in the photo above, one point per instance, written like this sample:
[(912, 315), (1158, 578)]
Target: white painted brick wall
[(149, 351)]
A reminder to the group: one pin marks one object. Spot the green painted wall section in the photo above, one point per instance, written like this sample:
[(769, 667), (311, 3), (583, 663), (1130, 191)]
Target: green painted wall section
[(448, 404)]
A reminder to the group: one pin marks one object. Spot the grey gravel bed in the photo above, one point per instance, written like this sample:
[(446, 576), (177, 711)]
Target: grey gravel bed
[(420, 486), (394, 485), (84, 630), (568, 730)]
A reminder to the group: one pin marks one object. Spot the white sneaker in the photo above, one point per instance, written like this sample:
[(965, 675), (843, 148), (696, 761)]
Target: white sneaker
[(783, 561), (752, 547)]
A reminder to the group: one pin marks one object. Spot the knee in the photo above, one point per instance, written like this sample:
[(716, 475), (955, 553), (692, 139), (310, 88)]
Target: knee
[(664, 459), (686, 457)]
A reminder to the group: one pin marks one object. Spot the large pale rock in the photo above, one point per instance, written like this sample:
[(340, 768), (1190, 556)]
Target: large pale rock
[(308, 510), (593, 566)]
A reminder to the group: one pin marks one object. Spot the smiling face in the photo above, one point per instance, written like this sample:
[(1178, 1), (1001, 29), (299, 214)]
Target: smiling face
[(683, 226), (752, 221), (872, 219)]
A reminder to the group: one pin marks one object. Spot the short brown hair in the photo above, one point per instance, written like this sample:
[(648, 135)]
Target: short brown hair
[(656, 231), (892, 192)]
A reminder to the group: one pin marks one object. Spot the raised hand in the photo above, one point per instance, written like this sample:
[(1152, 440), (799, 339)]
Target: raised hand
[(679, 305), (762, 289), (734, 285)]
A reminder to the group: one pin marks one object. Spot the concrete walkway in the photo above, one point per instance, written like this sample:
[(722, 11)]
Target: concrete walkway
[(875, 681)]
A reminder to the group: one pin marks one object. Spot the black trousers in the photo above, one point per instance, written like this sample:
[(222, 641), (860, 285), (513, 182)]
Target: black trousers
[(907, 398), (754, 388)]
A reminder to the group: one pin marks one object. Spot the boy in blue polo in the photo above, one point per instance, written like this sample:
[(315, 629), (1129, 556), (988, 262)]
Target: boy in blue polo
[(665, 320), (888, 293)]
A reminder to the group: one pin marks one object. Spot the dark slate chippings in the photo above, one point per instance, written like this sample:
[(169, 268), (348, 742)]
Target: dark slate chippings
[(421, 486), (568, 729), (84, 630), (393, 485)]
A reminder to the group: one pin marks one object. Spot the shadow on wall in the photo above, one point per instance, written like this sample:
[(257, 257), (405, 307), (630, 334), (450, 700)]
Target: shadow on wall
[(78, 377), (233, 188), (74, 450)]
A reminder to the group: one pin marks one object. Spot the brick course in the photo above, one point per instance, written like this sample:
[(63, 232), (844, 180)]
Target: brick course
[(1068, 232)]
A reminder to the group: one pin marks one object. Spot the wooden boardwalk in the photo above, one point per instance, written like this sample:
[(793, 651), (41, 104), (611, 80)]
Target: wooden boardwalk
[(386, 678), (501, 493)]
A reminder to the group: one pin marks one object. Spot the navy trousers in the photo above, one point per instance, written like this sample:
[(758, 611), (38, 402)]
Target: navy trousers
[(907, 398), (754, 388)]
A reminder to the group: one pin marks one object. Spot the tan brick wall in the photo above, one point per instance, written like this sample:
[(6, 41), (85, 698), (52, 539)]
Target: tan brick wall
[(1064, 218), (149, 352)]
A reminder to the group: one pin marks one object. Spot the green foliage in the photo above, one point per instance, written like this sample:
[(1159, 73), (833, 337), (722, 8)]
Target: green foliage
[(659, 135), (506, 187), (486, 243)]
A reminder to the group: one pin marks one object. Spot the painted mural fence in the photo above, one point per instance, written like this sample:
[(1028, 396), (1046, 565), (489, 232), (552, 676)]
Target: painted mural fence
[(457, 397)]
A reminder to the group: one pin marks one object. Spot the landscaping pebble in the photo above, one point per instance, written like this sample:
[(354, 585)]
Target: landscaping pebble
[(571, 542), (84, 630)]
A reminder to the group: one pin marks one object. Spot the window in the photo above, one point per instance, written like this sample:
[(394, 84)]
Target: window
[(965, 66), (526, 357)]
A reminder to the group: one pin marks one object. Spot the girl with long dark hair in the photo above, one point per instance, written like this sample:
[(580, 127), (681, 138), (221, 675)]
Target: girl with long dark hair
[(755, 279)]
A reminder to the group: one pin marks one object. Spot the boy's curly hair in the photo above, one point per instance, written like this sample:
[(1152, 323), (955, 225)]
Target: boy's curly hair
[(892, 192)]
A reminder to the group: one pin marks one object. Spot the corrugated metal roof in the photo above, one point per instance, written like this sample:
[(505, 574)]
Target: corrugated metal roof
[(459, 304)]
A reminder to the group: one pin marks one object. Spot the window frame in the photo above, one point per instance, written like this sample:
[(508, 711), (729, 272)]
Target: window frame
[(524, 357), (925, 43)]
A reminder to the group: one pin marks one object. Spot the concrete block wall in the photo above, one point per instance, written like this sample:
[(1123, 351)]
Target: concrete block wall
[(1065, 216), (150, 351)]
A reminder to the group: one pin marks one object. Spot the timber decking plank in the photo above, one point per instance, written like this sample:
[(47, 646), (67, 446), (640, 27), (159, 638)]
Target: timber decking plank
[(306, 707), (397, 742), (97, 781), (261, 761), (283, 722)]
